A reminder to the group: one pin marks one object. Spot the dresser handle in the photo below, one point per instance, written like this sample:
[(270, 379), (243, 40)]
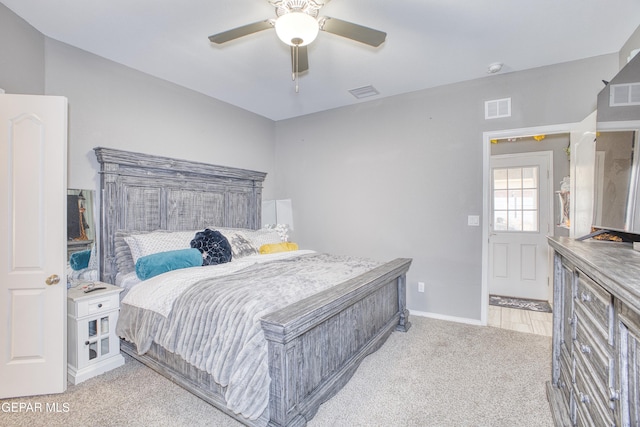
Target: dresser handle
[(99, 305), (585, 349), (87, 342), (614, 394), (585, 297)]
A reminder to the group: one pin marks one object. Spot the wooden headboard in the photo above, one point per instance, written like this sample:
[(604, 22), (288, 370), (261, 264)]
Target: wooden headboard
[(142, 192)]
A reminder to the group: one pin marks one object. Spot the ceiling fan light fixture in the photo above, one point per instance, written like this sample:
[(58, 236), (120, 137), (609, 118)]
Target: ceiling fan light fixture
[(297, 28)]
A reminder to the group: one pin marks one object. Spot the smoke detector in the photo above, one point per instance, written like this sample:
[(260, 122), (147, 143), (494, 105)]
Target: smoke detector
[(494, 68)]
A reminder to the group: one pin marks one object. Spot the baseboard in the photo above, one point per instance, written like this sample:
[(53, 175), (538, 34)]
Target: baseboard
[(438, 316)]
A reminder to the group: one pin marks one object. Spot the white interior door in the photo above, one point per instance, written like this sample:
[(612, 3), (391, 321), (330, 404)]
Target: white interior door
[(33, 181), (582, 171), (519, 224)]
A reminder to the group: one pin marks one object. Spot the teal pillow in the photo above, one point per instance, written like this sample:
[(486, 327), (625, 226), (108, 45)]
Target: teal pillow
[(80, 260), (161, 262)]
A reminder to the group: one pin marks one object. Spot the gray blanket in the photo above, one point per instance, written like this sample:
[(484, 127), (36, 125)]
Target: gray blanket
[(215, 324)]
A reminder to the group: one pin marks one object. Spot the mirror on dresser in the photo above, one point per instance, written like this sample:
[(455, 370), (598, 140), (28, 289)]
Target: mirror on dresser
[(617, 166), (81, 229)]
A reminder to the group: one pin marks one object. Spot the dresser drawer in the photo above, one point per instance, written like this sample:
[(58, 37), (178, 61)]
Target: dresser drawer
[(596, 304), (565, 380), (592, 407), (96, 305), (594, 355)]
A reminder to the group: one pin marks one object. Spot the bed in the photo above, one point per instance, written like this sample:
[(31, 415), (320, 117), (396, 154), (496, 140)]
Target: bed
[(312, 345)]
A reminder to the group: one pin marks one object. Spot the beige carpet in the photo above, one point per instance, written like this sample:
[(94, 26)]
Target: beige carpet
[(438, 374)]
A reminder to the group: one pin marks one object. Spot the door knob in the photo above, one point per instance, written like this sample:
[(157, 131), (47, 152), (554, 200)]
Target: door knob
[(52, 280)]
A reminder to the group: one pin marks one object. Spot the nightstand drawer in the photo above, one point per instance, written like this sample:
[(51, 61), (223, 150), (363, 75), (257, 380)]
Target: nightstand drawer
[(97, 305)]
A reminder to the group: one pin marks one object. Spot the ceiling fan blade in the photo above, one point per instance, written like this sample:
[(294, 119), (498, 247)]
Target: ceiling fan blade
[(353, 31), (303, 59), (245, 30)]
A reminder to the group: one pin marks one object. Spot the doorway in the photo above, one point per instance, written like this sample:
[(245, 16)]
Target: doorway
[(544, 135)]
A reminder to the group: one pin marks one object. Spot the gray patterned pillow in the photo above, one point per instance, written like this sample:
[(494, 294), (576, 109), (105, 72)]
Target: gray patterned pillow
[(240, 245)]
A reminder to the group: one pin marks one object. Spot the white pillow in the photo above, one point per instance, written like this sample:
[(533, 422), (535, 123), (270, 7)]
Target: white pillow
[(262, 237), (93, 259), (158, 241)]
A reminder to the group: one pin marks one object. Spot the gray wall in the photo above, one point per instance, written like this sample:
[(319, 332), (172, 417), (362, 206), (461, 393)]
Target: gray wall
[(115, 106), (21, 55), (397, 177)]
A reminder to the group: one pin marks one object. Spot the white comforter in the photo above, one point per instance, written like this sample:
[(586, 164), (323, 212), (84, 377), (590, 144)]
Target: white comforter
[(213, 323), (158, 293)]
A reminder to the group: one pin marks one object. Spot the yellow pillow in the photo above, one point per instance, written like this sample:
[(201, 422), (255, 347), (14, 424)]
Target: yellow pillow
[(272, 248)]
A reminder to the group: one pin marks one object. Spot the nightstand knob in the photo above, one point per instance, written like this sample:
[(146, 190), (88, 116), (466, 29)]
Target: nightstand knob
[(99, 305), (54, 279)]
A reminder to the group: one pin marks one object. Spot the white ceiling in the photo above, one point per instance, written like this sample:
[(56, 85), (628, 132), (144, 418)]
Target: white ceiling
[(429, 43)]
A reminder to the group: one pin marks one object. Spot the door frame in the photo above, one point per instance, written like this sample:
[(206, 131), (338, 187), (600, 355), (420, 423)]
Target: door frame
[(486, 186)]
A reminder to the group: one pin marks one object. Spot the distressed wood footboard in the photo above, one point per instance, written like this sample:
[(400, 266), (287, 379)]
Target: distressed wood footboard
[(316, 344)]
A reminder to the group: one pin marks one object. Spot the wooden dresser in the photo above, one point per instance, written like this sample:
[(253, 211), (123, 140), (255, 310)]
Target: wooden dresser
[(596, 334)]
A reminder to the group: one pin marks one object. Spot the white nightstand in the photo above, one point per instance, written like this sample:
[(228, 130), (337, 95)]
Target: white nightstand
[(92, 344)]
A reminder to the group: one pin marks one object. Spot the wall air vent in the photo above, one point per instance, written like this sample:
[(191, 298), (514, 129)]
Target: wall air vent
[(364, 92), (624, 94), (497, 108)]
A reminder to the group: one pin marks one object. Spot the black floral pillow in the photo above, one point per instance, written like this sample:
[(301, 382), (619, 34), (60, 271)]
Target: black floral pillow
[(215, 248)]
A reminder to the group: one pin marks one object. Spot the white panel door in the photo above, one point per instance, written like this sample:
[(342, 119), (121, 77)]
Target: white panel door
[(582, 171), (33, 181), (519, 224)]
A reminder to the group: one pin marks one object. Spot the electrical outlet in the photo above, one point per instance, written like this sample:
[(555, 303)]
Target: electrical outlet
[(420, 286)]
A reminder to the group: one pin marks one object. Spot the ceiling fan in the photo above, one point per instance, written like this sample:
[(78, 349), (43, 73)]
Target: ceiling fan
[(297, 24)]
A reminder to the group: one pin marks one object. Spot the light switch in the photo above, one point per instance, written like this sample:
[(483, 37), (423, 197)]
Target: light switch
[(473, 220)]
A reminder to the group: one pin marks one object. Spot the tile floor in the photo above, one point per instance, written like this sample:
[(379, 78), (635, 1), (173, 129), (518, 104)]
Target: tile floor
[(532, 322)]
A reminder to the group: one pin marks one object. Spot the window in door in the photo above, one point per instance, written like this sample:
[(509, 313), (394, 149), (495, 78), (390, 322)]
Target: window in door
[(515, 199)]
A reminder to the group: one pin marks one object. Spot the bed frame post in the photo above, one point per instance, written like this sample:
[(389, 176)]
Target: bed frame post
[(283, 385), (108, 200), (403, 323)]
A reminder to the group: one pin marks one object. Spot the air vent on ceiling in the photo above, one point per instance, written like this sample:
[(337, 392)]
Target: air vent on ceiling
[(624, 94), (497, 108), (364, 92)]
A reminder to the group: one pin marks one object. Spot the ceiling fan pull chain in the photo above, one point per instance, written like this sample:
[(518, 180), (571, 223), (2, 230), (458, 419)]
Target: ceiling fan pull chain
[(296, 73), (294, 54)]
